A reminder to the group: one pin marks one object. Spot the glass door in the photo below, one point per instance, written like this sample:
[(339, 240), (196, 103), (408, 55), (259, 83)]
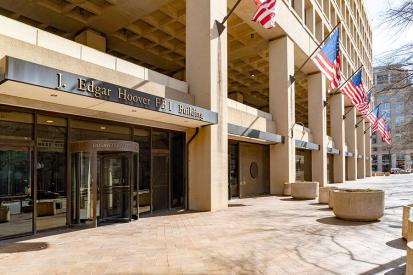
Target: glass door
[(113, 186), (160, 180), (16, 202)]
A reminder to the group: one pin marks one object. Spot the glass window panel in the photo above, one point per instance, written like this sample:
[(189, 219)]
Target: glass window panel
[(51, 172), (16, 125), (143, 138), (160, 140), (85, 130), (16, 204)]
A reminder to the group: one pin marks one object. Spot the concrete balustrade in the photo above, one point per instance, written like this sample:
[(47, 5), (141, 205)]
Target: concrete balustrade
[(304, 190), (358, 204), (407, 209)]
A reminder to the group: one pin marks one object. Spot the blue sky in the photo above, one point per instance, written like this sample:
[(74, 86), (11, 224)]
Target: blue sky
[(383, 39)]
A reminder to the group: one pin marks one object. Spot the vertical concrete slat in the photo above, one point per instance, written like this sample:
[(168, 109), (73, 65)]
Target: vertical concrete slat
[(317, 122), (367, 141), (206, 74), (338, 134), (361, 163), (282, 108), (351, 139)]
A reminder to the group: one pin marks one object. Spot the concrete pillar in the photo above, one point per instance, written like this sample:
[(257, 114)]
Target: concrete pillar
[(393, 160), (361, 147), (351, 139), (379, 162), (206, 74), (317, 122), (92, 39), (282, 108), (338, 134), (367, 141)]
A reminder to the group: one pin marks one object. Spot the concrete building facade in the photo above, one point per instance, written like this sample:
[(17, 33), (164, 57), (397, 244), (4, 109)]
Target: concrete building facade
[(394, 92), (114, 109)]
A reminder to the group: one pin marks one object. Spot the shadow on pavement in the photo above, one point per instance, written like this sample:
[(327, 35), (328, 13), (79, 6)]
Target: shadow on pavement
[(335, 221), (24, 247), (394, 267), (399, 243)]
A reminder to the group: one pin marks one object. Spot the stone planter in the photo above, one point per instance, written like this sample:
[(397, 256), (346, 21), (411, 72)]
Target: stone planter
[(287, 189), (305, 190), (409, 259), (387, 174), (324, 194), (409, 236), (331, 198), (379, 174), (407, 209), (4, 214), (358, 204)]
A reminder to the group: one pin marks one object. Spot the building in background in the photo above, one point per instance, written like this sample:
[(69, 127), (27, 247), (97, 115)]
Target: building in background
[(115, 109), (394, 92)]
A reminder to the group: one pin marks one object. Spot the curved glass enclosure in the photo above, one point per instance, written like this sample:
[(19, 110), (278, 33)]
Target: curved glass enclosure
[(103, 189)]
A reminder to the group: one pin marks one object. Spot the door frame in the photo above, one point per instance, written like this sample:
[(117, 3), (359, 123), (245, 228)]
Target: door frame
[(115, 146)]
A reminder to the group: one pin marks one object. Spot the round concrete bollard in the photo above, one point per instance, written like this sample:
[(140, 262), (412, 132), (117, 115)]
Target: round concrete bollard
[(407, 209), (359, 204), (409, 237), (305, 190), (409, 259), (287, 189)]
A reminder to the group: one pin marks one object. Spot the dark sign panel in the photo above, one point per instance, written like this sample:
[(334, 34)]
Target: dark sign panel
[(39, 75)]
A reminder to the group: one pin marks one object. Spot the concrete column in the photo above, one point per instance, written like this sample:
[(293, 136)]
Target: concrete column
[(379, 162), (351, 139), (367, 141), (206, 74), (338, 134), (282, 108), (361, 147), (393, 160), (317, 122)]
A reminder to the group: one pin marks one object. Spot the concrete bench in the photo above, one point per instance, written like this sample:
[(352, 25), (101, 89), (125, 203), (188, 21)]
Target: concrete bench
[(407, 209), (304, 190)]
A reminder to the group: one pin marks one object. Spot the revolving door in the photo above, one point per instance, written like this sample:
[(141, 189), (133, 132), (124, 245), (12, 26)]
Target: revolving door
[(103, 186)]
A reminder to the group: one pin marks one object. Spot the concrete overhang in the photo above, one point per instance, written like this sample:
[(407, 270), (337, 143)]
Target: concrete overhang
[(251, 135), (27, 80), (300, 144), (333, 151), (349, 154)]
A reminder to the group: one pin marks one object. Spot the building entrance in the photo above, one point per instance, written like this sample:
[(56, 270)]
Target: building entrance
[(102, 184), (113, 186)]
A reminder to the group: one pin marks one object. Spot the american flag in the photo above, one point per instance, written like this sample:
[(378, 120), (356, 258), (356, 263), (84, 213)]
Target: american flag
[(265, 14), (386, 135), (328, 60), (354, 90), (372, 117)]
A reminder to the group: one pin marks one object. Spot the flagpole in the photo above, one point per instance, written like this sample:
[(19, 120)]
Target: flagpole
[(342, 85), (378, 106), (292, 77), (220, 25), (345, 115), (365, 131)]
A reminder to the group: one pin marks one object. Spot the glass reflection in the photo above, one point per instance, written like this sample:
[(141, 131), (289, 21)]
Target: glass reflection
[(51, 172), (143, 138)]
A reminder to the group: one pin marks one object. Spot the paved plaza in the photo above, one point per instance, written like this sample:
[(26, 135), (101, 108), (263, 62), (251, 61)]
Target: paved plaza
[(264, 235)]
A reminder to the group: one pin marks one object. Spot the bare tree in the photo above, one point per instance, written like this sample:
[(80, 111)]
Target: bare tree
[(399, 63)]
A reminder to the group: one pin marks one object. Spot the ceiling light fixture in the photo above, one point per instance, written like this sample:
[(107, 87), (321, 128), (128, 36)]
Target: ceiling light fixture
[(102, 127), (49, 121), (53, 95)]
